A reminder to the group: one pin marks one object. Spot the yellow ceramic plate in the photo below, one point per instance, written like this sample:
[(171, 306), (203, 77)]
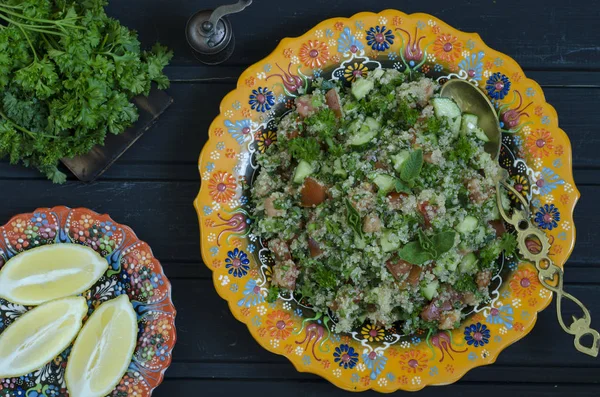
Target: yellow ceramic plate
[(535, 151)]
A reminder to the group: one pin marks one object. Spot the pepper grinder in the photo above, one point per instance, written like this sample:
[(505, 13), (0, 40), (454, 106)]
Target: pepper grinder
[(210, 35)]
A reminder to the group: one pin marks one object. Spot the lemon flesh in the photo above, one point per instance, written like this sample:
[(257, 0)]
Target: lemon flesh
[(50, 272), (40, 335), (103, 350)]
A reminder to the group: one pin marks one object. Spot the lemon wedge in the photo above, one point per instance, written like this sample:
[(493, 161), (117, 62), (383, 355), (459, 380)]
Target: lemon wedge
[(40, 335), (103, 350), (50, 272)]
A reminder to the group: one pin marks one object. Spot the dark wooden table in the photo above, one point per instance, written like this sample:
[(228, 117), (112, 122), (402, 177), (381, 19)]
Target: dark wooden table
[(151, 188)]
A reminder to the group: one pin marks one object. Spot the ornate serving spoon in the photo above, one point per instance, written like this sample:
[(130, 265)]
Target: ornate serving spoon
[(472, 100)]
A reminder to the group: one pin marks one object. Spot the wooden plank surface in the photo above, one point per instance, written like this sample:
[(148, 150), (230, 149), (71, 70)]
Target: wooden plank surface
[(151, 188)]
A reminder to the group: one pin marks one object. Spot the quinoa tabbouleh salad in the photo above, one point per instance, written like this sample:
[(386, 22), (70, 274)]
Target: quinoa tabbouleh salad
[(378, 203)]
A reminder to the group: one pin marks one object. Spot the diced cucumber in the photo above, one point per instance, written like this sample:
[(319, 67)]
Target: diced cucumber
[(495, 212), (361, 88), (451, 265), (359, 242), (480, 134), (303, 170), (469, 123), (385, 183), (467, 225), (349, 107), (446, 107), (354, 126), (372, 123), (469, 263), (377, 73), (430, 290), (366, 133), (386, 244), (399, 159), (338, 170)]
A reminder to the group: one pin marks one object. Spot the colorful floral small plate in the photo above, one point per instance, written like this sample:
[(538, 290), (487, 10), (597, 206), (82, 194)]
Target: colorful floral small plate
[(133, 270), (535, 151)]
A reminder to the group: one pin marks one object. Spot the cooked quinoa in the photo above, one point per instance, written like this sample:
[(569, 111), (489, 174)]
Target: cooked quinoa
[(379, 204)]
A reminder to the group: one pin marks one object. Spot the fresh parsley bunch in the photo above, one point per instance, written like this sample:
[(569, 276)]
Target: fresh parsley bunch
[(67, 75)]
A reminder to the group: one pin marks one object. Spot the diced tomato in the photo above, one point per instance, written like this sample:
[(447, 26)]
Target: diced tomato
[(498, 226), (304, 106), (431, 312), (333, 102), (396, 200), (314, 248), (312, 193), (398, 268)]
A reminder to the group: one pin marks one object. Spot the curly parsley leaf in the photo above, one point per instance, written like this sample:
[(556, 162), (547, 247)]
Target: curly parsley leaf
[(306, 149)]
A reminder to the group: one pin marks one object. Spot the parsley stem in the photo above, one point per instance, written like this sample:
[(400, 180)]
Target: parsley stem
[(29, 41), (17, 126)]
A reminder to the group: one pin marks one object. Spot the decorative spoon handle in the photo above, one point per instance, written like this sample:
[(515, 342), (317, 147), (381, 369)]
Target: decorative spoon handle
[(549, 274)]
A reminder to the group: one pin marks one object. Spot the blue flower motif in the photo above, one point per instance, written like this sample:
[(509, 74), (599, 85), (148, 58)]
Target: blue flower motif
[(354, 378), (237, 105), (416, 340), (557, 163), (470, 44), (237, 262), (392, 56), (210, 166), (375, 362), (243, 200), (391, 377), (437, 67), (545, 120), (525, 315), (473, 65), (39, 219), (345, 356), (298, 312), (477, 335), (349, 43), (108, 227), (336, 338), (239, 130), (317, 73), (156, 280), (380, 38), (252, 295), (505, 294), (267, 68), (19, 391), (530, 92), (256, 321), (306, 359), (207, 210), (536, 202), (498, 62), (234, 287), (472, 356), (359, 25), (161, 352), (420, 25), (497, 339), (251, 248), (214, 250), (261, 99), (501, 315), (434, 371), (518, 140), (498, 85), (513, 266), (547, 217), (329, 33), (548, 181)]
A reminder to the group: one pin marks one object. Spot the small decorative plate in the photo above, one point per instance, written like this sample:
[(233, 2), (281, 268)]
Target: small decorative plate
[(133, 270), (535, 151)]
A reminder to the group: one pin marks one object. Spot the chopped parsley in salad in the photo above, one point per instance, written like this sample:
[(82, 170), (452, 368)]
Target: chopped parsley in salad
[(378, 203)]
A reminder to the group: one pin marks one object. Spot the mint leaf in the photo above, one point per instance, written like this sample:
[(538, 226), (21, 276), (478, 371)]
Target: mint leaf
[(412, 166), (353, 218), (415, 254), (443, 242), (400, 187), (508, 244)]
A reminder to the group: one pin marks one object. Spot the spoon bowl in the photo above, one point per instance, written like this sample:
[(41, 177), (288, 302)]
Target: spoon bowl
[(471, 99)]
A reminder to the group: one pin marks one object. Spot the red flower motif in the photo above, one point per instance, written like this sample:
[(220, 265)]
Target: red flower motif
[(414, 361), (539, 143), (314, 54), (447, 48), (221, 186), (524, 283), (279, 324)]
